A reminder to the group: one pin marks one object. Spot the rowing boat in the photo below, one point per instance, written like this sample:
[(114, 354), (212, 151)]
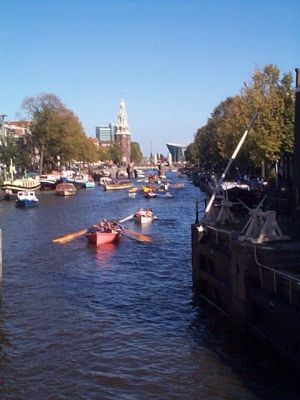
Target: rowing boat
[(103, 232), (144, 216), (99, 238)]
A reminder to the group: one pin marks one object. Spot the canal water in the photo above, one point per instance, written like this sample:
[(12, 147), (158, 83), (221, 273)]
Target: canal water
[(119, 322)]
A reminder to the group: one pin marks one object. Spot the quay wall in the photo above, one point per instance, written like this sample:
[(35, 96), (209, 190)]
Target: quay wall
[(1, 272), (256, 286)]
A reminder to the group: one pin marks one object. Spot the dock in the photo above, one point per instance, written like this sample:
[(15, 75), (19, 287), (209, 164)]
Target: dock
[(256, 285)]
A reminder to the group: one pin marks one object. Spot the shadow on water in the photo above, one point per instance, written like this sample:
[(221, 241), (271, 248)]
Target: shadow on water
[(261, 371)]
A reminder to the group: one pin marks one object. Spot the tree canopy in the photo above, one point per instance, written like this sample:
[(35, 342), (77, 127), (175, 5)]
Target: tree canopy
[(136, 153), (273, 132), (57, 132)]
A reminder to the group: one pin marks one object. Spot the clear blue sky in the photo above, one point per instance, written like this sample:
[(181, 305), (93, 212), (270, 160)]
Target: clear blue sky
[(173, 61)]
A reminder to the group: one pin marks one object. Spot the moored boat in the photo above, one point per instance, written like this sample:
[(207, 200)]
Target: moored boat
[(118, 184), (104, 180), (26, 199), (49, 181), (16, 185), (89, 183), (65, 189)]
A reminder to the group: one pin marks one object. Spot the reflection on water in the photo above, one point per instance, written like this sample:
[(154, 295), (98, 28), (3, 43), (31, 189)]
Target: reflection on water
[(120, 321), (104, 252)]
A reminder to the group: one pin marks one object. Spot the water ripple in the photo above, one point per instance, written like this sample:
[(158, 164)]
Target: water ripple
[(118, 322)]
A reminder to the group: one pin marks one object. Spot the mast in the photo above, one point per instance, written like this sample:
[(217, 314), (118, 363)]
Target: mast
[(235, 153)]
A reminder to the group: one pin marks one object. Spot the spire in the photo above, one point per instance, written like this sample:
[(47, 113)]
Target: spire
[(122, 125)]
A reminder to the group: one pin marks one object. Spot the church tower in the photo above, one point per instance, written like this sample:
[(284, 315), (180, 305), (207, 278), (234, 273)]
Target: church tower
[(123, 135)]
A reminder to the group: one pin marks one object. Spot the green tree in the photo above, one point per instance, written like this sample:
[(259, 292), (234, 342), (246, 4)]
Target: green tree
[(57, 132), (115, 153), (8, 151), (191, 153), (273, 132), (136, 153)]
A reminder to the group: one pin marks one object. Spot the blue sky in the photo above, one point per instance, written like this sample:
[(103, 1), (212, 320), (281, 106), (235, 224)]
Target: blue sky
[(173, 61)]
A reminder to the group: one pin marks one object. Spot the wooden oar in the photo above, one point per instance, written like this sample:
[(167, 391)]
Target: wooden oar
[(134, 235), (71, 236), (126, 232), (75, 235), (127, 218)]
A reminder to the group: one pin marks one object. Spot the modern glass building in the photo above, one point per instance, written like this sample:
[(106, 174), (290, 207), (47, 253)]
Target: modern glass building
[(105, 133), (177, 152)]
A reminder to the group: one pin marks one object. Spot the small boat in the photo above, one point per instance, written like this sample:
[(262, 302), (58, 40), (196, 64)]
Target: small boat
[(65, 189), (49, 182), (140, 173), (102, 233), (16, 185), (26, 199), (31, 181), (118, 184), (144, 216), (150, 195), (77, 180), (89, 183), (104, 180)]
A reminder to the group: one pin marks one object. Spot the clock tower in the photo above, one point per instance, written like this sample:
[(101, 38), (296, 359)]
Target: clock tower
[(123, 135)]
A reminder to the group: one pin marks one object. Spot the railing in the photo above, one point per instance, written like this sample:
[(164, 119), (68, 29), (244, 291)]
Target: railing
[(280, 283), (220, 235)]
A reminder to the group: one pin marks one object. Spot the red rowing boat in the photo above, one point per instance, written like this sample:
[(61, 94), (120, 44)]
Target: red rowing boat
[(99, 238), (103, 232)]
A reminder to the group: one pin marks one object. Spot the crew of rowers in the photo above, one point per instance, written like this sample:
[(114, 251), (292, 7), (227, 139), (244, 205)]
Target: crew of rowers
[(105, 226), (146, 212)]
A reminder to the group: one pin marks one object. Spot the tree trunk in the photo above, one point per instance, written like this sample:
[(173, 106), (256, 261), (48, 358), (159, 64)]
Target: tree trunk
[(41, 159)]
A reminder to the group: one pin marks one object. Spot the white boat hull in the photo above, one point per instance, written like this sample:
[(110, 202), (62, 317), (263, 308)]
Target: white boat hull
[(21, 184)]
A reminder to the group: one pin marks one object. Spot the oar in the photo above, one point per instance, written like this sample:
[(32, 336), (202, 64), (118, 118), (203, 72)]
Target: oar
[(127, 218), (75, 235), (134, 235), (71, 236), (126, 232)]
